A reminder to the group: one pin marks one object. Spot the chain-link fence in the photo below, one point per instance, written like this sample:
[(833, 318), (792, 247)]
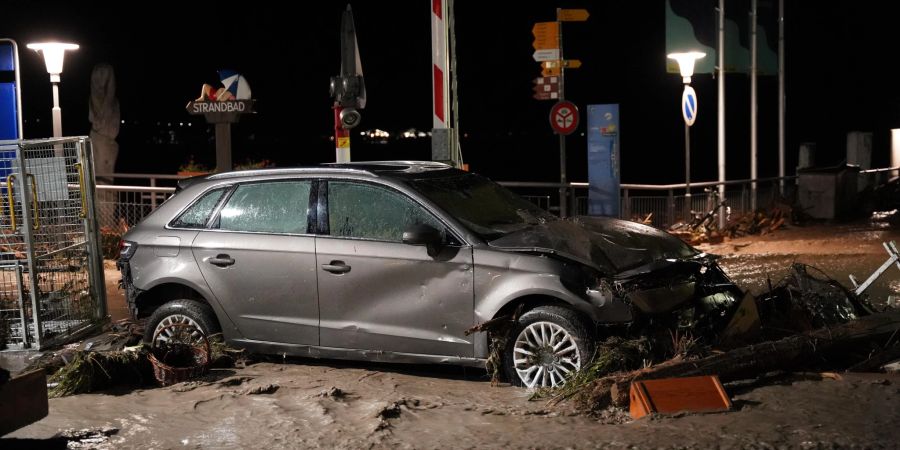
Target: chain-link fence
[(50, 274)]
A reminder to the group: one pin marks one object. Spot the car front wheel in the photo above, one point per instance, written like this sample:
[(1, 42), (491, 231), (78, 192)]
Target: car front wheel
[(547, 344), (180, 319)]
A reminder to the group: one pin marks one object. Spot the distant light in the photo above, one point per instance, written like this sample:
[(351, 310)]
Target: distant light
[(169, 124), (362, 133), (180, 124), (123, 122), (686, 62), (53, 52), (189, 124)]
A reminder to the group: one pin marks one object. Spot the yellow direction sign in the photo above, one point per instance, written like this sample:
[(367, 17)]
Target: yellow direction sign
[(573, 15), (568, 64), (546, 35)]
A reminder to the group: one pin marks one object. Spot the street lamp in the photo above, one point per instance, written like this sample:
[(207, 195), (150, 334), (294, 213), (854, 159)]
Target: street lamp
[(53, 58), (688, 111)]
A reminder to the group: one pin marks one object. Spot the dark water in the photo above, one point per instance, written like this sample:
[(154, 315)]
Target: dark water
[(751, 272)]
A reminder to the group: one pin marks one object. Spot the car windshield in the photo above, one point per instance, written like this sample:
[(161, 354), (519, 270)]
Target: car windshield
[(487, 208)]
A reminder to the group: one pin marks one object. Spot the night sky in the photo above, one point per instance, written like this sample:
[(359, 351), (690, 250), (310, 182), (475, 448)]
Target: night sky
[(840, 77)]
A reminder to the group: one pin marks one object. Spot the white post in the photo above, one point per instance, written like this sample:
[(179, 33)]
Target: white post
[(781, 98), (442, 133), (56, 111), (721, 125), (753, 109), (895, 150)]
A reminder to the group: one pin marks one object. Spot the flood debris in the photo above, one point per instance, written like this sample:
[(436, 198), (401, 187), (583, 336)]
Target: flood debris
[(806, 298), (92, 371), (499, 333), (704, 227), (806, 321), (88, 438), (760, 222)]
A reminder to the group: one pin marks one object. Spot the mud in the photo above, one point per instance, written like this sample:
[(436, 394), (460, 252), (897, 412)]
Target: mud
[(306, 403)]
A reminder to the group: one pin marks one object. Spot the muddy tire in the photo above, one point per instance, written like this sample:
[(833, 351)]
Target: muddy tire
[(546, 344), (190, 312)]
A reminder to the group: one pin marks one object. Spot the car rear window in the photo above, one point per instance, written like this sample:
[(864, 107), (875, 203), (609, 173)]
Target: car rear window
[(272, 207), (197, 215)]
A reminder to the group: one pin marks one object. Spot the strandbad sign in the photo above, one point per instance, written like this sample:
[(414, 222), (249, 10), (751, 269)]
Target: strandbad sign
[(204, 107)]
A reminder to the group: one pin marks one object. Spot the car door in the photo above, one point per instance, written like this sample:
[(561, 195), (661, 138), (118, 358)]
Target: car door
[(259, 261), (380, 294)]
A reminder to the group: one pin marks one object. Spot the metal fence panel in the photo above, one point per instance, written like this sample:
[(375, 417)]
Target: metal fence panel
[(48, 228)]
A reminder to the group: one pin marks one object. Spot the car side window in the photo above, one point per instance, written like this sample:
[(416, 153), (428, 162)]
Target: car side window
[(269, 207), (365, 211), (197, 215)]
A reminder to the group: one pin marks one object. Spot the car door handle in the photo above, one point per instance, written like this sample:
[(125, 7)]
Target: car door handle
[(336, 267), (221, 260)]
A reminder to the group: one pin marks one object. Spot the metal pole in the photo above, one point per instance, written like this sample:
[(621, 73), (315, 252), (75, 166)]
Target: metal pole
[(563, 210), (341, 138), (753, 109), (721, 124), (28, 239), (687, 160), (781, 93), (57, 112), (455, 149)]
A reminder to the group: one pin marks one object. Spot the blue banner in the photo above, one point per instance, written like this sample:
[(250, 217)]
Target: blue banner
[(603, 160)]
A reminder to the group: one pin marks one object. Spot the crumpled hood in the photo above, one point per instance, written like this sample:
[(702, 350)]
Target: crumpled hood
[(608, 245)]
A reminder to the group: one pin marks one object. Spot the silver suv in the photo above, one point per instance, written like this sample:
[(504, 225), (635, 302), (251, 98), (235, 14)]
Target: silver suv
[(394, 261)]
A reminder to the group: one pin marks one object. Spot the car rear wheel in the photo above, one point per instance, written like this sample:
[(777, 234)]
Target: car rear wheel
[(193, 320), (547, 344)]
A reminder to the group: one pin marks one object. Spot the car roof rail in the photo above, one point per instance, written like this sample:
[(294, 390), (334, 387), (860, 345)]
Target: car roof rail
[(428, 164), (285, 171)]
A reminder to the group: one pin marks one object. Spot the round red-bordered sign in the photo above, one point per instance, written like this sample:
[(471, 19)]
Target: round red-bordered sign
[(564, 117)]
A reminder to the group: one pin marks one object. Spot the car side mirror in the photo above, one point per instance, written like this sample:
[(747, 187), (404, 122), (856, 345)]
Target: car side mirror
[(422, 234)]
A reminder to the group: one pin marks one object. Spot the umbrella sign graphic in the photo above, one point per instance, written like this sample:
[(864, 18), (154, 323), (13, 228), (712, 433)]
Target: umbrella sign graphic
[(689, 105), (564, 117)]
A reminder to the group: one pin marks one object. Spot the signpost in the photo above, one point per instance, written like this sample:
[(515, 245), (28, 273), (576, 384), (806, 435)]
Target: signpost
[(548, 50)]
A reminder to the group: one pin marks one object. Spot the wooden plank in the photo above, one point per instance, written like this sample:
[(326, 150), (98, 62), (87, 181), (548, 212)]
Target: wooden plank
[(23, 401)]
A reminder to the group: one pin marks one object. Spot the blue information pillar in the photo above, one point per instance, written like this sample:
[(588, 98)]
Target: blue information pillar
[(603, 160), (9, 111)]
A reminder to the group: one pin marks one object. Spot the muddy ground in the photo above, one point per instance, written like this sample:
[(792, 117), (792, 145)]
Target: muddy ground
[(305, 403)]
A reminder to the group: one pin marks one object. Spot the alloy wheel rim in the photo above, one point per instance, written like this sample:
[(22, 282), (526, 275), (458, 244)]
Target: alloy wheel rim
[(164, 333), (544, 354)]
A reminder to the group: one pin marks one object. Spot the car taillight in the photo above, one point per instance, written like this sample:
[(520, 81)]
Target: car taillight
[(126, 250)]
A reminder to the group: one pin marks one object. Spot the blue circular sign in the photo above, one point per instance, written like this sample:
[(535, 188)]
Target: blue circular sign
[(689, 105)]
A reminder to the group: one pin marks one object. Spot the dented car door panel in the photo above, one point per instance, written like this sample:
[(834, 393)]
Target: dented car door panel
[(395, 297)]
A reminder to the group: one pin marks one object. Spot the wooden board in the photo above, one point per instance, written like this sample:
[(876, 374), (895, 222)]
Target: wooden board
[(670, 395), (23, 401)]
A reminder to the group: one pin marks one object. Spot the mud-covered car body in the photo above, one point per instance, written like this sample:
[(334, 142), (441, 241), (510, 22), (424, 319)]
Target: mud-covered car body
[(333, 287)]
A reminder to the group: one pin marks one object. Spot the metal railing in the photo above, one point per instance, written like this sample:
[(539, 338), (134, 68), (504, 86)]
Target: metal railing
[(665, 204), (121, 207)]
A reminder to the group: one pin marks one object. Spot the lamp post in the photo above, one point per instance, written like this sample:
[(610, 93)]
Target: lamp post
[(54, 52), (688, 111)]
